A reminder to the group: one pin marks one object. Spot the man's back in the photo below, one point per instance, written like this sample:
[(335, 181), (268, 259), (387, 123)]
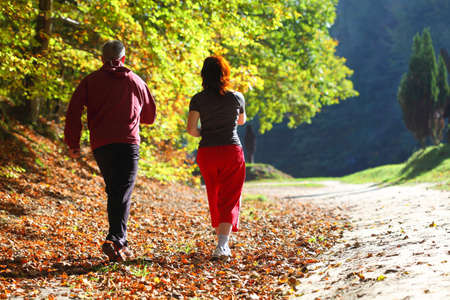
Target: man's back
[(117, 100)]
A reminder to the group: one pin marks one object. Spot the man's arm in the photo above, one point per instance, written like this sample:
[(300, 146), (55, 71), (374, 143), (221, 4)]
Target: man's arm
[(73, 126), (148, 113), (242, 118), (192, 123)]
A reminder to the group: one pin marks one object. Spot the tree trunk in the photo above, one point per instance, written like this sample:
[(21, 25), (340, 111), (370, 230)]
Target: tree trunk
[(4, 124), (43, 32), (43, 26), (423, 142), (448, 134), (250, 143), (439, 126)]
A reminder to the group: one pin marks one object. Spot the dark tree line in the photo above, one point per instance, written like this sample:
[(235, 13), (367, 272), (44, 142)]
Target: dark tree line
[(367, 131)]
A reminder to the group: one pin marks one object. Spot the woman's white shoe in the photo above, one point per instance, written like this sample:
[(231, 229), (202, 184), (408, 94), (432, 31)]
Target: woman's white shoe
[(221, 252)]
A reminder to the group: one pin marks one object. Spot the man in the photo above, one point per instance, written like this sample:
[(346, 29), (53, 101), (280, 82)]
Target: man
[(117, 101)]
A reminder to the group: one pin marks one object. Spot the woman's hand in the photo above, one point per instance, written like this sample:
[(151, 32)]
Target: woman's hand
[(242, 118), (192, 123)]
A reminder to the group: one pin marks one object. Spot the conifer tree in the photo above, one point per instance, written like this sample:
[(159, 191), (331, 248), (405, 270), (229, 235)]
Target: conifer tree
[(439, 106), (418, 89), (446, 58)]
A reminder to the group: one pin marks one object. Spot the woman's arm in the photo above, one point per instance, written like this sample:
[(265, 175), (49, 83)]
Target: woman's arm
[(242, 118), (192, 123)]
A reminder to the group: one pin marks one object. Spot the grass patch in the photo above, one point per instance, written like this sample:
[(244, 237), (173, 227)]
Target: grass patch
[(140, 270), (254, 197), (382, 174), (431, 165), (187, 247), (107, 268), (264, 171)]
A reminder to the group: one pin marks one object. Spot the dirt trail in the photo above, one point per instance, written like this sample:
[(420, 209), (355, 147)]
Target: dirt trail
[(399, 247)]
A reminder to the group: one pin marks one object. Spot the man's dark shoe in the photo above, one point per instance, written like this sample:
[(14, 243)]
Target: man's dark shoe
[(125, 253), (115, 253), (110, 249)]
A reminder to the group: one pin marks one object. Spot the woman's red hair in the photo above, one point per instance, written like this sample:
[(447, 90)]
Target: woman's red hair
[(216, 74)]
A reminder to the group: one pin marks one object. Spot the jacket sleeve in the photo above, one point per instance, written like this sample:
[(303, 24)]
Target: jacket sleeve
[(73, 126), (148, 112)]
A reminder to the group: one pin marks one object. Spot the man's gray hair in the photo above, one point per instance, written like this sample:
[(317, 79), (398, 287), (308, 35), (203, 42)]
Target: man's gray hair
[(113, 50)]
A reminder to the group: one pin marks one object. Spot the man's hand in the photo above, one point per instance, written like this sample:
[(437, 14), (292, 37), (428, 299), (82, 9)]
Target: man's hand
[(74, 153)]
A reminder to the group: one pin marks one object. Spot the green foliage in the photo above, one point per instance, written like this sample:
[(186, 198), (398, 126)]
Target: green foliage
[(300, 70), (429, 68), (164, 169), (441, 104), (281, 53), (442, 84)]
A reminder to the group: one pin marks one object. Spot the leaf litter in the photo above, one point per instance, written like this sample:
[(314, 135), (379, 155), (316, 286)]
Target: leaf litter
[(53, 222)]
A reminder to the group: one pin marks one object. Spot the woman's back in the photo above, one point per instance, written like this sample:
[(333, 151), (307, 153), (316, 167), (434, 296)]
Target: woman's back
[(218, 116)]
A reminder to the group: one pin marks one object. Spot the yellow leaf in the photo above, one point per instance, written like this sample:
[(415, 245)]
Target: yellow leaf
[(283, 280)]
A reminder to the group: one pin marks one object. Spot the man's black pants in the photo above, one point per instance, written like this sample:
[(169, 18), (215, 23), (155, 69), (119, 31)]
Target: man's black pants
[(119, 165)]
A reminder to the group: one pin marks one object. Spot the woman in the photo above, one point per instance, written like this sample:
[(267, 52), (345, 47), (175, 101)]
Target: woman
[(220, 156)]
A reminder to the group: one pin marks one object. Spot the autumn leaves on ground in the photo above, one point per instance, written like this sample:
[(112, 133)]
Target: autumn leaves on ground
[(53, 222)]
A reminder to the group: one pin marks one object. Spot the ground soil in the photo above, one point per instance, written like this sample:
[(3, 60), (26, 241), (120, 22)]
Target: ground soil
[(397, 247)]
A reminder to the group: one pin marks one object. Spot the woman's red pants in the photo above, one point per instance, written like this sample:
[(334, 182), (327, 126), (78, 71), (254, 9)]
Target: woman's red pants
[(223, 170)]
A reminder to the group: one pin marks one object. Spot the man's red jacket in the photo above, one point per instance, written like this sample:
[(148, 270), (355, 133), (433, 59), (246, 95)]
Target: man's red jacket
[(117, 101)]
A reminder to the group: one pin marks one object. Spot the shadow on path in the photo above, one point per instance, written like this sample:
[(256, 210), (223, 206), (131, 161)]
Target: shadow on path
[(18, 269), (371, 188)]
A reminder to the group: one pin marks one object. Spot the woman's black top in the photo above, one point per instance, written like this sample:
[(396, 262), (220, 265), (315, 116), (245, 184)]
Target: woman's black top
[(218, 117)]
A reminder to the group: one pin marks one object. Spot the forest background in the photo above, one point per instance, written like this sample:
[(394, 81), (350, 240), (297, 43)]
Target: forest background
[(365, 131), (282, 56)]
